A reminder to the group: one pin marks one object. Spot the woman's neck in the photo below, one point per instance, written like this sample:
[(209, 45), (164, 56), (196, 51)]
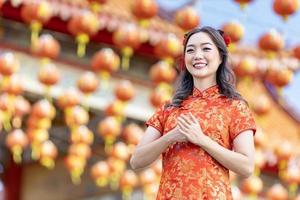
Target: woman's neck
[(203, 84)]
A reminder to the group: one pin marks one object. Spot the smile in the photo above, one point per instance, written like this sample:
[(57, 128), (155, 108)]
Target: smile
[(199, 65)]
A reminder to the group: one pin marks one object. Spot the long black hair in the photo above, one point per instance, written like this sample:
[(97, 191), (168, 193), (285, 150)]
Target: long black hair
[(225, 77)]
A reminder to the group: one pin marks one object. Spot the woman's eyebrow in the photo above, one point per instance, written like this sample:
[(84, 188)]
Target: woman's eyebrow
[(205, 43)]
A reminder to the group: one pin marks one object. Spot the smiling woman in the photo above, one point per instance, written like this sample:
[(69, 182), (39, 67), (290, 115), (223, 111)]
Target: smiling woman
[(204, 131)]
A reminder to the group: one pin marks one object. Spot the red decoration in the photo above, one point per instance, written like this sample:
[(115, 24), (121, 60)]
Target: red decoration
[(187, 18), (285, 8), (144, 10), (46, 46)]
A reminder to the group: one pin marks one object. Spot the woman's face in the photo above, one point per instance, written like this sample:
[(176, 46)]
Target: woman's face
[(202, 57)]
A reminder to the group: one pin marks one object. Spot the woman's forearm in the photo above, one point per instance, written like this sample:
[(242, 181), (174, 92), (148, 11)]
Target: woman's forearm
[(233, 161), (146, 154)]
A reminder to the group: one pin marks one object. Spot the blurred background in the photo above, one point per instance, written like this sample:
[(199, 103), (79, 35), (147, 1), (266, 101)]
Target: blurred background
[(78, 79)]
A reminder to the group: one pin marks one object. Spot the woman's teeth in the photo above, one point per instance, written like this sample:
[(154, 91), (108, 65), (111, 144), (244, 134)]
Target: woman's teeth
[(200, 65)]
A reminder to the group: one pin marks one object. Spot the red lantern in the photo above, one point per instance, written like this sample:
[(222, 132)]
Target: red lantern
[(252, 185), (246, 67), (235, 31), (169, 48), (80, 150), (127, 37), (48, 154), (69, 99), (88, 83), (100, 173), (82, 135), (132, 133), (16, 141), (120, 151), (261, 105), (75, 165), (159, 96), (43, 109), (243, 3), (8, 64), (127, 182), (49, 74), (46, 46), (162, 72), (296, 52), (76, 116), (271, 42), (144, 10), (13, 86), (116, 108), (124, 90), (279, 77), (277, 192), (147, 177), (83, 25), (21, 108), (36, 13), (187, 18), (285, 8), (109, 129)]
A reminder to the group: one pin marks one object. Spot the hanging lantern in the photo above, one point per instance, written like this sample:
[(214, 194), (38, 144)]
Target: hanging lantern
[(243, 3), (76, 117), (235, 31), (285, 8), (35, 122), (36, 13), (43, 109), (116, 109), (69, 99), (6, 109), (283, 152), (252, 186), (16, 141), (46, 47), (296, 52), (49, 76), (75, 165), (8, 66), (271, 42), (109, 128), (259, 161), (144, 10), (83, 25), (127, 38), (246, 67), (163, 74), (292, 178), (187, 18), (100, 173), (87, 83), (279, 77), (261, 105), (14, 86), (124, 90), (80, 150), (159, 96), (157, 167), (21, 108), (104, 62), (82, 135), (120, 151), (36, 138), (117, 168), (128, 181), (48, 153), (277, 192), (168, 48), (96, 5), (132, 134)]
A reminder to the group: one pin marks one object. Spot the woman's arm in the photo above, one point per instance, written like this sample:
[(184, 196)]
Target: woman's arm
[(240, 161), (152, 145)]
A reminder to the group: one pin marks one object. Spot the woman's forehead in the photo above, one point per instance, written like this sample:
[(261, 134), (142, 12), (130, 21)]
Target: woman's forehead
[(198, 38)]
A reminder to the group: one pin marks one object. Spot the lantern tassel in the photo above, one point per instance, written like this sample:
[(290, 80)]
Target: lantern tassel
[(101, 181), (82, 40), (127, 53), (47, 162), (75, 175), (35, 27), (126, 193), (104, 78), (17, 153)]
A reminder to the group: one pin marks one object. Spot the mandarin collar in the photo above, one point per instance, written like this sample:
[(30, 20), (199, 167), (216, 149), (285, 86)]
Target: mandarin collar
[(208, 92)]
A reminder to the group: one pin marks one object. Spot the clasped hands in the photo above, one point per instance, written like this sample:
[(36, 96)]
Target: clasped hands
[(188, 130)]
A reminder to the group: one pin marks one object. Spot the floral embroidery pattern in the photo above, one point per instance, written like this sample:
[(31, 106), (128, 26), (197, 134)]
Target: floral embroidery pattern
[(189, 173)]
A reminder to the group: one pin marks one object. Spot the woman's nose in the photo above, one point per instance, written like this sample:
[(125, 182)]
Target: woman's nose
[(198, 55)]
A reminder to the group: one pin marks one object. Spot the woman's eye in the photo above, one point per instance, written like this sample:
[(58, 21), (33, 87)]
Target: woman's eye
[(206, 49), (189, 50)]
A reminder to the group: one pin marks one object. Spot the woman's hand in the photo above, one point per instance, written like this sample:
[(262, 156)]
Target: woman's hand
[(190, 127), (176, 136)]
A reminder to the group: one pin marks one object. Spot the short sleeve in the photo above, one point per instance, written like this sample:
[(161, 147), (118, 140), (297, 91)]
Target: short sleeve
[(241, 119), (156, 120)]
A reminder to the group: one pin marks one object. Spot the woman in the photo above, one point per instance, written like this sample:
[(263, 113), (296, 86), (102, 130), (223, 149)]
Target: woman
[(205, 131)]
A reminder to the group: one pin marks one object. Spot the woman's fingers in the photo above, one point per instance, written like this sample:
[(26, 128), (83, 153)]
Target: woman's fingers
[(186, 119)]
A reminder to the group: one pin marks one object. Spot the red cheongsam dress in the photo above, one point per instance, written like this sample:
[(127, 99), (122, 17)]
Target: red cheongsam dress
[(189, 173)]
